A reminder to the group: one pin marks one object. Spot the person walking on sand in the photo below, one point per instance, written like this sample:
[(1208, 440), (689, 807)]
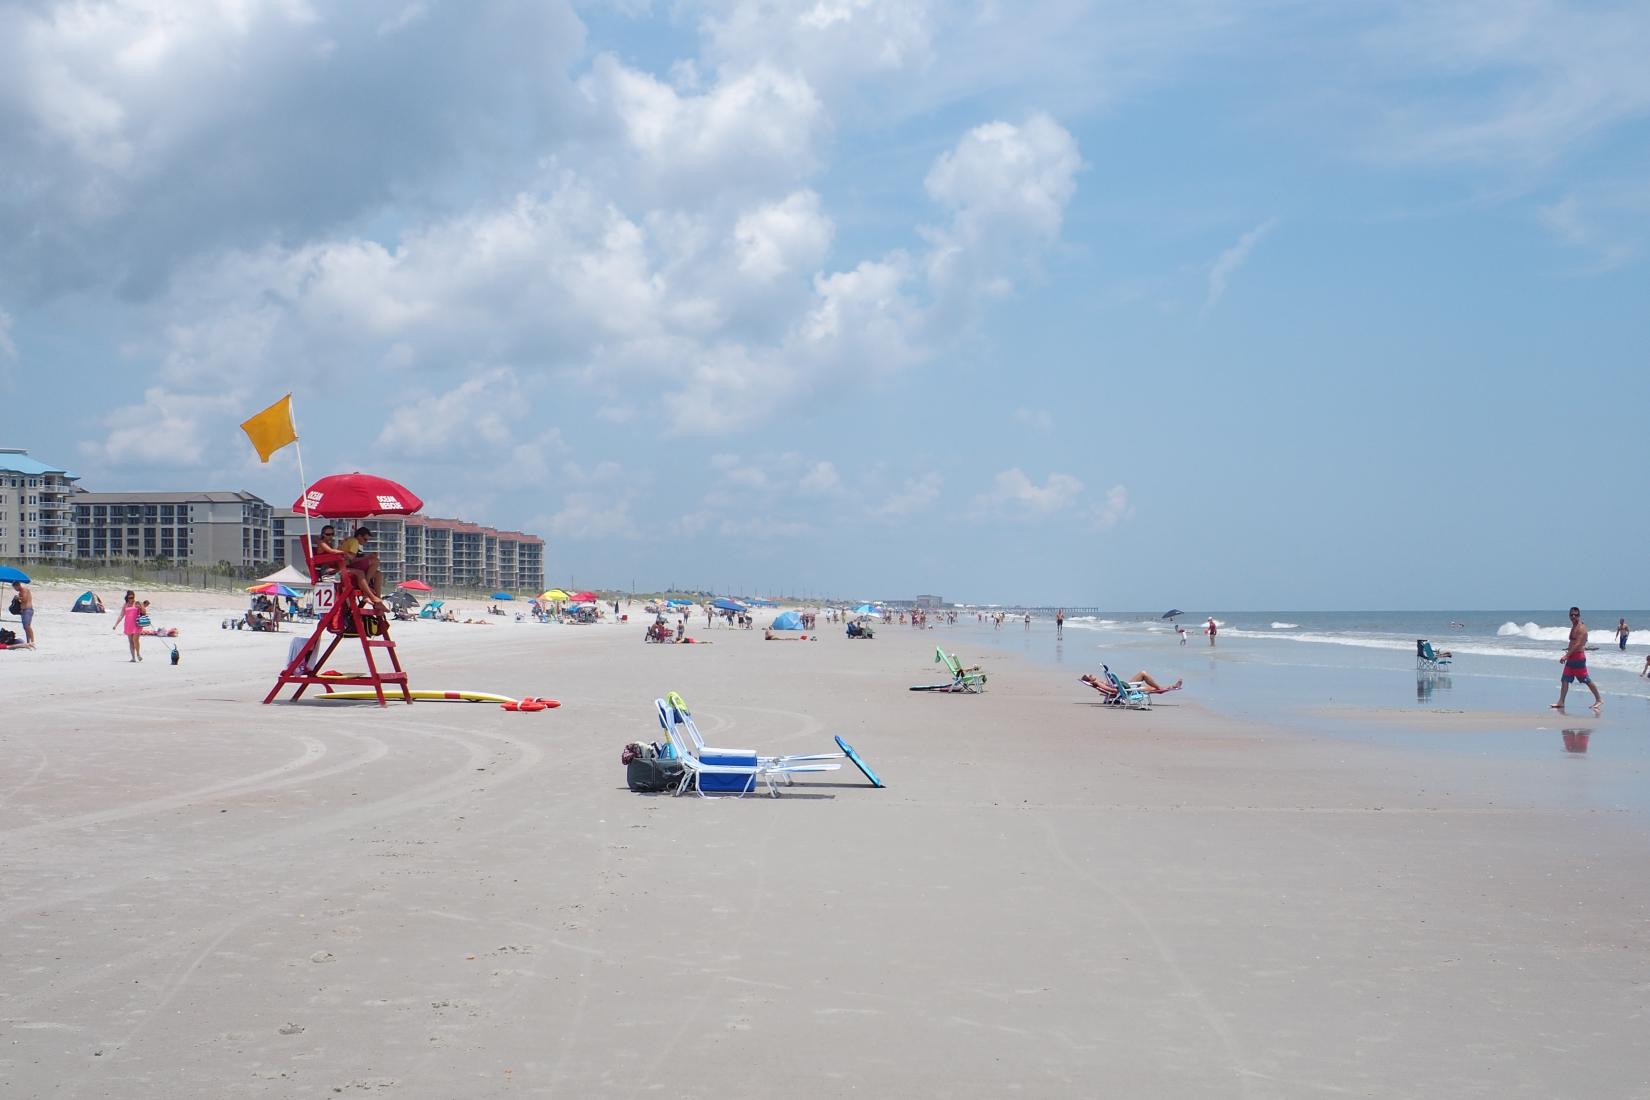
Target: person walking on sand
[(1621, 634), (1575, 664), (23, 605), (128, 625), (1210, 630), (1180, 630)]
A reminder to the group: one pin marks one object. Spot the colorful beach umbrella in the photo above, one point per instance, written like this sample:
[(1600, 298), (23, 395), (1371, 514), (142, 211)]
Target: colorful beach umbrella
[(725, 604), (352, 496), (415, 586), (583, 597), (553, 594), (272, 590), (501, 596), (9, 574)]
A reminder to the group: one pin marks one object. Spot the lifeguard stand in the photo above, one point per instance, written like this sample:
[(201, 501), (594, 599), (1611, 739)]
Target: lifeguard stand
[(345, 610)]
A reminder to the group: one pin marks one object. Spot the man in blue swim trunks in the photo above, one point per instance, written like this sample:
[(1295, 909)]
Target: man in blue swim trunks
[(25, 610), (1575, 664)]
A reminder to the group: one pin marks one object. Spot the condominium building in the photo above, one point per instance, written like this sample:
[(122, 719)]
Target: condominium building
[(444, 553), (204, 528), (34, 510)]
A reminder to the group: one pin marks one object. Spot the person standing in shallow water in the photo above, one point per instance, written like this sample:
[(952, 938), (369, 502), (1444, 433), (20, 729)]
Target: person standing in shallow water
[(1621, 634), (1575, 664), (1060, 623), (1210, 630)]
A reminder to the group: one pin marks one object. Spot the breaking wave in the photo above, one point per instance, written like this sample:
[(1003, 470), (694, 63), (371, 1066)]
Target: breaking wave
[(1535, 632)]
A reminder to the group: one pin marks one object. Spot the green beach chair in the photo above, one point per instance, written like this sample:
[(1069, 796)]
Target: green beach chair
[(962, 679)]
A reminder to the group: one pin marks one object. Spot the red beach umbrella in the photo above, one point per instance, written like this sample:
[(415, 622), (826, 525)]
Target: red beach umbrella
[(416, 586), (583, 597), (351, 496)]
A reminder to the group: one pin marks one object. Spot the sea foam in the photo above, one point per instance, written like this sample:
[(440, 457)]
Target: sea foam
[(1286, 626), (1535, 632)]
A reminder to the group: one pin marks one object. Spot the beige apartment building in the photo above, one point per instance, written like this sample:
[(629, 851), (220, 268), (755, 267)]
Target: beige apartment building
[(443, 553), (201, 528), (34, 510)]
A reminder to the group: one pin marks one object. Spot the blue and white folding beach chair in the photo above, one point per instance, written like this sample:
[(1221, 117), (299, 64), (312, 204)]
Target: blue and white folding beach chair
[(674, 709), (1128, 695), (724, 772), (1428, 659)]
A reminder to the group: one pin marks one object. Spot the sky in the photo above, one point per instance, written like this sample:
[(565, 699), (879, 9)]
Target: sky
[(1218, 304)]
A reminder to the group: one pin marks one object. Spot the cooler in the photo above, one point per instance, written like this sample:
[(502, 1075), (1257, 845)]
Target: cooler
[(717, 783)]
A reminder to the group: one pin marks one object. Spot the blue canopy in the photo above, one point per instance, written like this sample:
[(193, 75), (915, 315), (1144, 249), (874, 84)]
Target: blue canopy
[(727, 605), (787, 620), (8, 574), (502, 596), (680, 603)]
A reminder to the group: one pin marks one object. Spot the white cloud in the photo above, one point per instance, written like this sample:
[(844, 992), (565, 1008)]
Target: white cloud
[(783, 237), (751, 131), (1040, 421), (141, 133), (1013, 494), (916, 494), (170, 430), (762, 528), (478, 415), (821, 479), (589, 516), (834, 41), (1007, 187), (1228, 262), (1527, 79), (1576, 223), (1114, 509)]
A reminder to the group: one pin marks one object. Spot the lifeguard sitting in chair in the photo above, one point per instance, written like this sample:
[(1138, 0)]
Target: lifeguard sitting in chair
[(351, 609)]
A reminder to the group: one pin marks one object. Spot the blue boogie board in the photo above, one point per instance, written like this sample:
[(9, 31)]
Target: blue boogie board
[(858, 763)]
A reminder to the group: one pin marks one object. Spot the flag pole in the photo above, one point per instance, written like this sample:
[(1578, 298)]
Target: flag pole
[(303, 482)]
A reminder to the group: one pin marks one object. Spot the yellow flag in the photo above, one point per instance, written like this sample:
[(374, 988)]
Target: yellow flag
[(271, 429)]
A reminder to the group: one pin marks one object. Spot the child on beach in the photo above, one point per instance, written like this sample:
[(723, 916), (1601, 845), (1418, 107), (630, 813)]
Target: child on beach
[(127, 623)]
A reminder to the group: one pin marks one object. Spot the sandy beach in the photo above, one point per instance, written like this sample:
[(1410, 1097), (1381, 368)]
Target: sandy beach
[(206, 897)]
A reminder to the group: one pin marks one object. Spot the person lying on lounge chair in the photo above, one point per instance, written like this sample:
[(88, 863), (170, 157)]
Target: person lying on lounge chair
[(1141, 681)]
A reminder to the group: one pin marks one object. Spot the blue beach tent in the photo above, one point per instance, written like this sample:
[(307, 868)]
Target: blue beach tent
[(787, 620), (87, 604)]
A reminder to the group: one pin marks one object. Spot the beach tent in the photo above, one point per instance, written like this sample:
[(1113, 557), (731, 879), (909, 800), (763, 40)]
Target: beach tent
[(289, 576), (87, 604), (787, 620)]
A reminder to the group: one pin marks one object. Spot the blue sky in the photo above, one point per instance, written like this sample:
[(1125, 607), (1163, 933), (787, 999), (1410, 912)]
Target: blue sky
[(1220, 304)]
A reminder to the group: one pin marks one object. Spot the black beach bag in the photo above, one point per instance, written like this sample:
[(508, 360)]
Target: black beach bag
[(650, 775)]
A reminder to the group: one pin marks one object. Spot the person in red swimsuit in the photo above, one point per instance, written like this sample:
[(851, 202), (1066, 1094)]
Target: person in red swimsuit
[(1575, 664)]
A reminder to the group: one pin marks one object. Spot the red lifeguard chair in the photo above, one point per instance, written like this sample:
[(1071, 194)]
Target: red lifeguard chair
[(345, 610)]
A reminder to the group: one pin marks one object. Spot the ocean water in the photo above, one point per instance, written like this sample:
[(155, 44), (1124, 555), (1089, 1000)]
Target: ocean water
[(1287, 668)]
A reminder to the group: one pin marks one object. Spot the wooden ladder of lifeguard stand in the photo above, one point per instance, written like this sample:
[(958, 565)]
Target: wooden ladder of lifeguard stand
[(346, 611)]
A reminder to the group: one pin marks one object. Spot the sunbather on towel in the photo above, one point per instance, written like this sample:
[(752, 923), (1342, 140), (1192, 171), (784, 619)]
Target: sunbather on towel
[(1141, 681)]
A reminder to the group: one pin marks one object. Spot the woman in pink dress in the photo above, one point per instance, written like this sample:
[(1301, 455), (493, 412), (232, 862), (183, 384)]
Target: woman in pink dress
[(127, 623)]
